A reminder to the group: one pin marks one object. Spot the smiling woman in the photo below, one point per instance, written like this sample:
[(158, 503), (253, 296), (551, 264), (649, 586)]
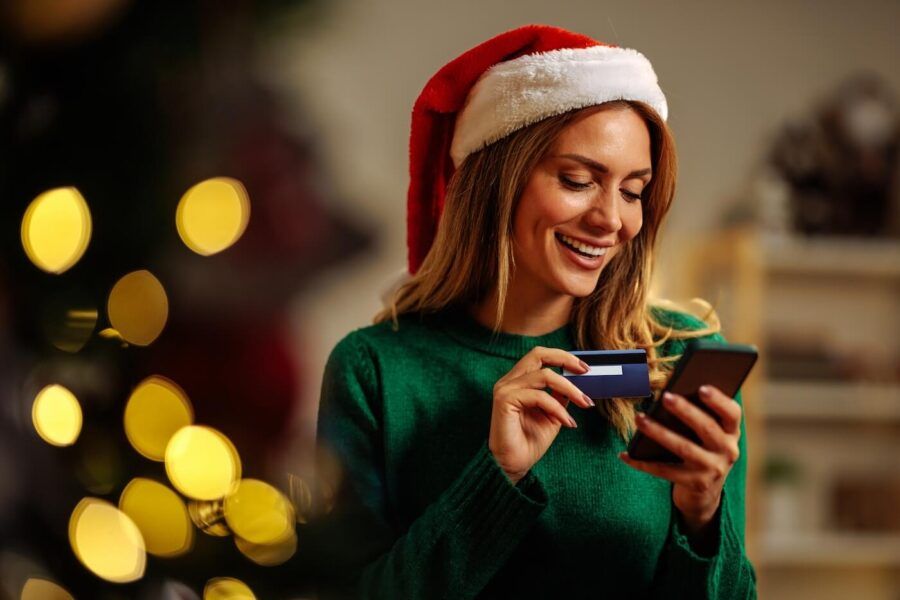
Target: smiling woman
[(542, 170)]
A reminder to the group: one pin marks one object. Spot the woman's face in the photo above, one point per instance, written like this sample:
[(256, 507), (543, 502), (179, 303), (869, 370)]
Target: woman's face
[(581, 203)]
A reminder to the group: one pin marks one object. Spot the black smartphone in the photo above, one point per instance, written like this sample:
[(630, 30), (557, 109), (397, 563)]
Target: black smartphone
[(704, 362)]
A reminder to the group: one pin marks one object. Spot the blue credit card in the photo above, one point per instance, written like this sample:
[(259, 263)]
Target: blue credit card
[(613, 374)]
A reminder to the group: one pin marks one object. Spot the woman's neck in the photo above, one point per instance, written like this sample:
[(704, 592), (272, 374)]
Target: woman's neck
[(526, 312)]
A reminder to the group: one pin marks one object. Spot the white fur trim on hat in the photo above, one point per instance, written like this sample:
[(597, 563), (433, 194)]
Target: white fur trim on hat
[(525, 90)]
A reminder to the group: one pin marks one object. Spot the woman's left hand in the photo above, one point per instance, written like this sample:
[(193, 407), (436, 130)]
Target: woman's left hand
[(698, 481)]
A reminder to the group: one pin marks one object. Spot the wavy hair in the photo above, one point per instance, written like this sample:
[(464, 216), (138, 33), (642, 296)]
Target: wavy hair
[(472, 254)]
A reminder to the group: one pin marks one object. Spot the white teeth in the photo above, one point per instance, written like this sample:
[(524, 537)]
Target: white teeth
[(593, 250)]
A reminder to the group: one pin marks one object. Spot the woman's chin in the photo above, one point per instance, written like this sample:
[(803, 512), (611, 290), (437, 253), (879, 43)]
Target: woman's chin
[(578, 287)]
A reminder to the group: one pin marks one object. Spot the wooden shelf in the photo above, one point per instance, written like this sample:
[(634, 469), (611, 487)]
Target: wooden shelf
[(834, 256), (830, 550), (821, 401)]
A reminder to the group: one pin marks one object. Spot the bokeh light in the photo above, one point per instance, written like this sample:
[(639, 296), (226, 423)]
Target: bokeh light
[(138, 307), (56, 229), (301, 498), (110, 333), (259, 513), (213, 215), (69, 327), (268, 555), (56, 415), (202, 463), (227, 588), (107, 541), (43, 589), (161, 516), (156, 409), (209, 517)]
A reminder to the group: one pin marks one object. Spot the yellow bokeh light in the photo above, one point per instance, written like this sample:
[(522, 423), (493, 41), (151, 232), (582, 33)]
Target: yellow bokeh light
[(161, 516), (107, 541), (213, 215), (202, 463), (227, 588), (209, 517), (70, 329), (156, 409), (56, 229), (259, 513), (56, 415), (138, 307), (42, 589), (268, 555)]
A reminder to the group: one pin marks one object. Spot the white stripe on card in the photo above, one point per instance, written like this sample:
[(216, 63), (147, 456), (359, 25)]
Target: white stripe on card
[(603, 370)]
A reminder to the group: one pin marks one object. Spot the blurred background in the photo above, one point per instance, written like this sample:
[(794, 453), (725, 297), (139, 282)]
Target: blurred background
[(199, 199)]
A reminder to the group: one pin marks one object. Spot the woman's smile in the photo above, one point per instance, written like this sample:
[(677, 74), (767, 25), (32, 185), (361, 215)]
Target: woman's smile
[(581, 254)]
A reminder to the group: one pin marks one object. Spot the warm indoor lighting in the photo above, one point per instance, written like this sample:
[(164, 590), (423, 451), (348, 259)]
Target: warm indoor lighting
[(161, 516), (227, 588), (107, 541), (138, 307), (69, 329), (56, 229), (259, 513), (42, 589), (268, 555), (156, 409), (212, 215), (209, 517), (202, 463), (56, 415)]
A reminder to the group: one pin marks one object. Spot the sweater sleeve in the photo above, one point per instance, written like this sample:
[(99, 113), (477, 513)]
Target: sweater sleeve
[(453, 548), (683, 572)]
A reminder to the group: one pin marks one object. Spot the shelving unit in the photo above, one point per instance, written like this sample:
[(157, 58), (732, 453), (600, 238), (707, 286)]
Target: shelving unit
[(831, 550), (816, 402), (841, 296)]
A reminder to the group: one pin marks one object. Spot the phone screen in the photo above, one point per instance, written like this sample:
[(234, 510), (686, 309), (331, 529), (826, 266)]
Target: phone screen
[(724, 366)]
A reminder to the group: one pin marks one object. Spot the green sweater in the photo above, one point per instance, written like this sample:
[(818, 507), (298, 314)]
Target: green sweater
[(426, 512)]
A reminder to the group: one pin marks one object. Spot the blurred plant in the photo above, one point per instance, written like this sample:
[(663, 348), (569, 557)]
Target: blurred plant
[(781, 470)]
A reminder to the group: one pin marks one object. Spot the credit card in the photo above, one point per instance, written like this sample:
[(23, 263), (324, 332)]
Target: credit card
[(613, 374)]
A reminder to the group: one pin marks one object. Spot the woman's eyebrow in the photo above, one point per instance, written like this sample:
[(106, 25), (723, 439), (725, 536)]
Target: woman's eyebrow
[(593, 164)]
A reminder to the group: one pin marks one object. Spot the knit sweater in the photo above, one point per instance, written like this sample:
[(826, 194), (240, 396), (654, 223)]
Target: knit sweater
[(426, 512)]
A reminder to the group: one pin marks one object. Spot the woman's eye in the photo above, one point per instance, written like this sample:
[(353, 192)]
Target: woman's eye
[(575, 185), (631, 196)]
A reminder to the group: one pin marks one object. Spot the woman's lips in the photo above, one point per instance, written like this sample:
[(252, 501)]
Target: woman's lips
[(581, 260)]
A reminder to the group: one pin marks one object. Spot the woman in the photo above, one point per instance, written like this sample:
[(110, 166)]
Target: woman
[(542, 169)]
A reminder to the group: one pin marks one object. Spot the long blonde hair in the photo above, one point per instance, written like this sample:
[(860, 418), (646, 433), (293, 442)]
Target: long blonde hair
[(472, 254)]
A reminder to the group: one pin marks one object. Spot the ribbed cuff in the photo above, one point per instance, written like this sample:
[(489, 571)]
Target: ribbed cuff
[(489, 510), (698, 571)]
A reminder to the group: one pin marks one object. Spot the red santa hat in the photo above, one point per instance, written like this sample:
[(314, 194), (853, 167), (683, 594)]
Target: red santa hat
[(508, 82)]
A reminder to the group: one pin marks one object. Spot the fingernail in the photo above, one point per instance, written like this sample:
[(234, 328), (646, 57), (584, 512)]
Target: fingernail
[(704, 389), (588, 400), (641, 417), (669, 399), (573, 423), (622, 455), (584, 365)]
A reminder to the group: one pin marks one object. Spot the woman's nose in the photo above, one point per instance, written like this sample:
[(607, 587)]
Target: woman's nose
[(604, 212)]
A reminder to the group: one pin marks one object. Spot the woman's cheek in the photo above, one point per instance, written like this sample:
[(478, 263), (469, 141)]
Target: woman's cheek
[(631, 225)]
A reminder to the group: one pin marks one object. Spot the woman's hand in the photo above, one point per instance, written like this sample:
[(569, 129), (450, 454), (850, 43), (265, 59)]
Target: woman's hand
[(526, 419), (699, 479)]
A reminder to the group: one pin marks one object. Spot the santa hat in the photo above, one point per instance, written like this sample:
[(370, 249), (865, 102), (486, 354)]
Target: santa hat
[(508, 82)]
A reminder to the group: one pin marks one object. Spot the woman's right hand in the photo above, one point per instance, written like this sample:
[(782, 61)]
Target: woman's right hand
[(526, 419)]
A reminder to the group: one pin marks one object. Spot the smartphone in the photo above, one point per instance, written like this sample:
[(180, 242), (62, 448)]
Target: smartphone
[(704, 362)]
